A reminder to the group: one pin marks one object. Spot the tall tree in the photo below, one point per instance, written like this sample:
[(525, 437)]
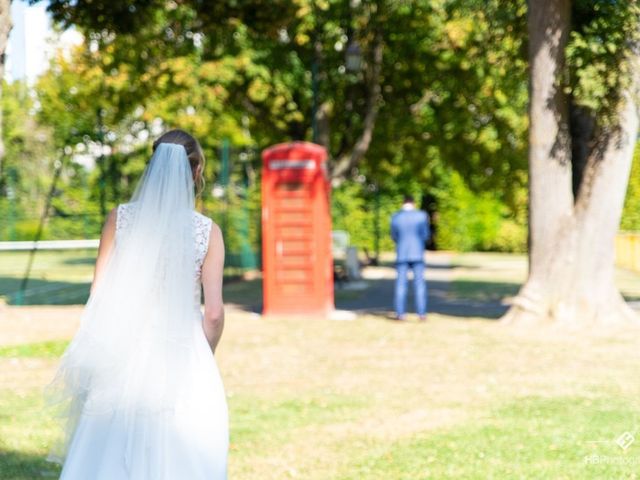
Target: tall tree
[(5, 29), (583, 127), (275, 47)]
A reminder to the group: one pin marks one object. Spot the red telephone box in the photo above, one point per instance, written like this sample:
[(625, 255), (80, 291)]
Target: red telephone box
[(296, 230)]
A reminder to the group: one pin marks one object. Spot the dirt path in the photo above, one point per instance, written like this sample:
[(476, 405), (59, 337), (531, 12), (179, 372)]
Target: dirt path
[(39, 323)]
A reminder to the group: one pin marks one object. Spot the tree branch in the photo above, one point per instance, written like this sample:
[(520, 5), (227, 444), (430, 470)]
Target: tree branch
[(345, 162)]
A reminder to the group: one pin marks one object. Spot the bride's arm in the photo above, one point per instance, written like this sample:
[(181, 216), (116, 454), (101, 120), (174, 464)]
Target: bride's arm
[(212, 270), (106, 245)]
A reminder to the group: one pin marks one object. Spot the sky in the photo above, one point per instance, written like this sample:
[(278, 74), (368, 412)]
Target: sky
[(30, 41)]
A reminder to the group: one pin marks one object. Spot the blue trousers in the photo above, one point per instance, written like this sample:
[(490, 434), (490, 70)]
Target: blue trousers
[(419, 287)]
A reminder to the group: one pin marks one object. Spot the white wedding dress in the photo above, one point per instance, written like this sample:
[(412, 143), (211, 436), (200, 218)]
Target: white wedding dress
[(189, 441)]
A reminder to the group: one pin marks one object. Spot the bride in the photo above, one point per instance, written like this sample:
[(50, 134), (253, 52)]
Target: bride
[(139, 389)]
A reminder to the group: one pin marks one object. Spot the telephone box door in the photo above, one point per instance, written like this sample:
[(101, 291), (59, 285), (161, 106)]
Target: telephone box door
[(296, 230)]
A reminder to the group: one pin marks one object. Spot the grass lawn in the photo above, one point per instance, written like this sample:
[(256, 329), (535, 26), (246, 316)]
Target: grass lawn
[(57, 277), (63, 277), (459, 398)]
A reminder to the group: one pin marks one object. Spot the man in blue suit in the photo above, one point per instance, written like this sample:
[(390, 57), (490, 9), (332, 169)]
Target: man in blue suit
[(410, 231)]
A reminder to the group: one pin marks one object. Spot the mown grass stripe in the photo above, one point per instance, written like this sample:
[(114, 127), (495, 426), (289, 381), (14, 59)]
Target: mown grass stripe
[(49, 349)]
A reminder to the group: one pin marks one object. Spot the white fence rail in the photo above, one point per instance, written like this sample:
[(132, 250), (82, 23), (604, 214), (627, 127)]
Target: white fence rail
[(49, 245)]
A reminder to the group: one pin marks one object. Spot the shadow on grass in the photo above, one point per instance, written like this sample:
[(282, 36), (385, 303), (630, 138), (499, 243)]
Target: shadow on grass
[(247, 293), (473, 300), (25, 466), (483, 291), (88, 260), (244, 294), (432, 266), (460, 298), (44, 292)]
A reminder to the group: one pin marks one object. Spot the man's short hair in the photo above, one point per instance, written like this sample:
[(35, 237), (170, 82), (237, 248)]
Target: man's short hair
[(408, 199)]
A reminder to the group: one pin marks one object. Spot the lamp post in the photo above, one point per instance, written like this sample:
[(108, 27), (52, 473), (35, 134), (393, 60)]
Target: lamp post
[(374, 188), (314, 105), (353, 57)]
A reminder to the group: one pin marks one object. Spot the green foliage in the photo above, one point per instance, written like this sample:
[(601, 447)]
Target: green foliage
[(365, 215), (238, 214), (26, 164), (26, 229), (129, 17), (511, 237), (453, 75), (453, 95), (604, 32), (463, 220), (468, 221), (631, 213), (458, 96)]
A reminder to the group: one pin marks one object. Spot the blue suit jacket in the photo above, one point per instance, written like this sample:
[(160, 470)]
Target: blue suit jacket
[(410, 231)]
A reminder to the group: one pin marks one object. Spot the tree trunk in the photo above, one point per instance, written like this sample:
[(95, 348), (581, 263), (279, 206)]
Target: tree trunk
[(550, 199), (590, 293), (571, 251), (5, 29), (582, 126)]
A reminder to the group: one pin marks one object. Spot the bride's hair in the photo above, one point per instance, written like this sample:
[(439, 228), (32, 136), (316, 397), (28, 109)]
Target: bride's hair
[(194, 153)]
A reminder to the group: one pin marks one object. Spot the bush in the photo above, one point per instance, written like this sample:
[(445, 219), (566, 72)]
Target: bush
[(631, 212), (239, 216), (464, 220), (511, 237), (364, 214), (468, 221), (27, 229)]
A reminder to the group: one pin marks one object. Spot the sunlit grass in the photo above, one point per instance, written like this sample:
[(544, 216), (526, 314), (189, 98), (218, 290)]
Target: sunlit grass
[(455, 398), (26, 434), (533, 437), (50, 349)]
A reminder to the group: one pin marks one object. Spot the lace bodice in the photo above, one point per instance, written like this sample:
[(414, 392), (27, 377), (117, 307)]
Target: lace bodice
[(202, 229)]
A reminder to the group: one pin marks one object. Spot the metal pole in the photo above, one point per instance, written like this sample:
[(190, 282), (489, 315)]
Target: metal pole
[(247, 258), (315, 67), (101, 180), (377, 220), (224, 168), (314, 105), (12, 178), (224, 181), (85, 215)]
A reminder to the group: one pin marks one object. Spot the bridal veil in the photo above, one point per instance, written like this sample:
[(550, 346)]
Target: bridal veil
[(132, 347)]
